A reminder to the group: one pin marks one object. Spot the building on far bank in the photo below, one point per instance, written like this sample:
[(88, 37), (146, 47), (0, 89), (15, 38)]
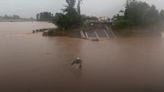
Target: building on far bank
[(92, 19), (104, 19), (95, 21), (44, 16), (15, 18)]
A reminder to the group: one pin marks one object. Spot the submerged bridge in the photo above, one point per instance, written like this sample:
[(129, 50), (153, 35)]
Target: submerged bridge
[(98, 31)]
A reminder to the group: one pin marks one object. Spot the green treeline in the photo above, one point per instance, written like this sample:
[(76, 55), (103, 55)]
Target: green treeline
[(137, 13)]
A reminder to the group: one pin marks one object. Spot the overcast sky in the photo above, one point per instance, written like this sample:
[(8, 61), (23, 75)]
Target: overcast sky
[(29, 8)]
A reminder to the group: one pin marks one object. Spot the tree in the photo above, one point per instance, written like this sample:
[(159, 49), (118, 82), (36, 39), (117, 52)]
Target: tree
[(61, 21), (70, 18), (152, 15), (137, 13)]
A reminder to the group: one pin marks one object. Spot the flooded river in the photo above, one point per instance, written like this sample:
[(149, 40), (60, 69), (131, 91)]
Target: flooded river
[(33, 63)]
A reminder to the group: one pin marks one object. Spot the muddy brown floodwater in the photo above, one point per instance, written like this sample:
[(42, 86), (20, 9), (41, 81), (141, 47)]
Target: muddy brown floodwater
[(32, 63)]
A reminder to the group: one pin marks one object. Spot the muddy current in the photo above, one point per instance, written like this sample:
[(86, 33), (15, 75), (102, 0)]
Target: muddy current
[(33, 63)]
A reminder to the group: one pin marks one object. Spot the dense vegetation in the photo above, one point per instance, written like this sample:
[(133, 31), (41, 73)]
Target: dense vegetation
[(70, 17), (137, 13)]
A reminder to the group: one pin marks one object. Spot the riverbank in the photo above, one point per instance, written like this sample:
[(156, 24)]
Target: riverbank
[(99, 33), (99, 30), (58, 33), (104, 31)]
